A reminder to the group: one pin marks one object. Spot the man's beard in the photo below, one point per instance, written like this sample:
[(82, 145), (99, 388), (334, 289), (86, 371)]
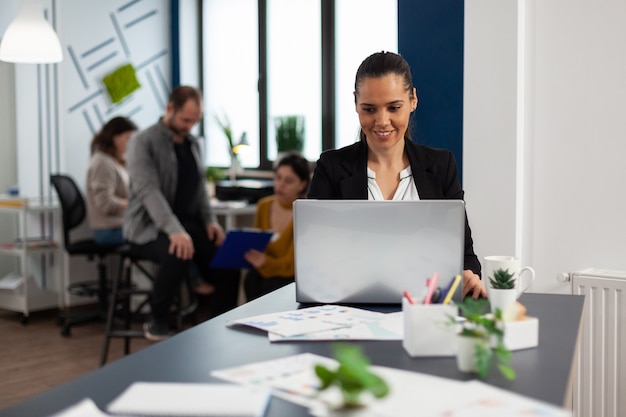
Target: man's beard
[(175, 129)]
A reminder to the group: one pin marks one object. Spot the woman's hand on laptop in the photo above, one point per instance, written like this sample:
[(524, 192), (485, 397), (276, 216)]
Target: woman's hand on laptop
[(472, 285)]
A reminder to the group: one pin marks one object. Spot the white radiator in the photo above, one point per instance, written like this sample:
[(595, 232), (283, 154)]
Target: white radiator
[(600, 378)]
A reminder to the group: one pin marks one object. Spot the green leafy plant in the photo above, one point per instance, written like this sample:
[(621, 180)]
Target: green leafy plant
[(289, 133), (224, 123), (485, 328), (502, 279), (352, 375), (214, 174)]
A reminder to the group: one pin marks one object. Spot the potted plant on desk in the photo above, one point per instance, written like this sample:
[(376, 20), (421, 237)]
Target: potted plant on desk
[(481, 339), (503, 292), (353, 377)]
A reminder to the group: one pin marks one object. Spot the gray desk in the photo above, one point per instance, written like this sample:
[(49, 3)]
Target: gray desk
[(543, 372)]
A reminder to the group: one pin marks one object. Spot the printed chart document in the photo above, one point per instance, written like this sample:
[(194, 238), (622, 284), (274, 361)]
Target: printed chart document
[(238, 242), (326, 322), (190, 399), (383, 327)]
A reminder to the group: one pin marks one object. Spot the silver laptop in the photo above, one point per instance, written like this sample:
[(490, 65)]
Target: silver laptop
[(360, 251)]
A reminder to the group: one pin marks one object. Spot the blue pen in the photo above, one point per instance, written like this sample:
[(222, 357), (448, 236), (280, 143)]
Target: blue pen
[(446, 290)]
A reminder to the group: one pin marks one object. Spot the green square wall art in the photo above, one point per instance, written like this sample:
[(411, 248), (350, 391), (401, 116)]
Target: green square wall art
[(121, 83)]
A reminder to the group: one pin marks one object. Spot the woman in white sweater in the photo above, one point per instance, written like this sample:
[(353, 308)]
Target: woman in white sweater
[(107, 181)]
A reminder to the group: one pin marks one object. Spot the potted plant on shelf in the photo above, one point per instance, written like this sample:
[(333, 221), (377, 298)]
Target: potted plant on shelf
[(353, 377), (502, 292), (289, 133), (235, 166), (481, 340), (213, 174)]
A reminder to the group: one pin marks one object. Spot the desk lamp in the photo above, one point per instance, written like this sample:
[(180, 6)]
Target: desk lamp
[(235, 166)]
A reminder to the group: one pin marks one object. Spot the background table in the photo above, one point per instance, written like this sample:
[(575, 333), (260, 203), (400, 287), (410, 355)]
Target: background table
[(542, 372)]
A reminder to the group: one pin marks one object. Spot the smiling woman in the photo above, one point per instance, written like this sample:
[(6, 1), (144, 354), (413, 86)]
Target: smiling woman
[(385, 164)]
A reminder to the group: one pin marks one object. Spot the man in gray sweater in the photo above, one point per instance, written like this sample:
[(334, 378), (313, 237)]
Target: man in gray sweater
[(169, 219)]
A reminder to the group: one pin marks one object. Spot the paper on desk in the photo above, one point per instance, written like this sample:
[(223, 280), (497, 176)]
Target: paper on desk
[(83, 408), (309, 320), (383, 327), (293, 379), (190, 399), (478, 399)]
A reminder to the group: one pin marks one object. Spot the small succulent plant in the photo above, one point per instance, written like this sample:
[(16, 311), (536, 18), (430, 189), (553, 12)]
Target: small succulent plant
[(502, 280)]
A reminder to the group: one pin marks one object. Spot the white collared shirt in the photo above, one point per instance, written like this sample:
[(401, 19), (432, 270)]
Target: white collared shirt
[(406, 189)]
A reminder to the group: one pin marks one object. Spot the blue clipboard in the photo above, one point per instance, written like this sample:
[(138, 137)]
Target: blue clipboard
[(238, 242)]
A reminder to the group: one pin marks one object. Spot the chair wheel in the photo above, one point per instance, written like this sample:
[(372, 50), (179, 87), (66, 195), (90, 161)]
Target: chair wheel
[(66, 332), (24, 319)]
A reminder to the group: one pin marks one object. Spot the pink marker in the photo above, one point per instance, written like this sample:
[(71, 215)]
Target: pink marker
[(431, 288), (408, 297)]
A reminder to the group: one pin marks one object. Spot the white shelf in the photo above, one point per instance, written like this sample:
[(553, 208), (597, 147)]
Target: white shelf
[(21, 251), (41, 263)]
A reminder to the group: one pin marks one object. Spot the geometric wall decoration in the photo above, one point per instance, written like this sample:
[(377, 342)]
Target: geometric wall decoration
[(120, 32)]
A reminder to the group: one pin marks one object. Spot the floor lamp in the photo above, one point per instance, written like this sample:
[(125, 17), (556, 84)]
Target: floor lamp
[(30, 39)]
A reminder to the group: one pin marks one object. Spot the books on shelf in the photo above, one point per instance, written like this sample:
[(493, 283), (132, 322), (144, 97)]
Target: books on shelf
[(12, 201), (16, 284), (11, 281), (30, 243)]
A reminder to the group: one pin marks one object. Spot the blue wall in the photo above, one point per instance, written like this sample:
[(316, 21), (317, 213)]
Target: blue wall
[(430, 38)]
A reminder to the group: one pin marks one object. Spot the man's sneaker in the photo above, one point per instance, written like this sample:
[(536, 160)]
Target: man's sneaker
[(154, 332)]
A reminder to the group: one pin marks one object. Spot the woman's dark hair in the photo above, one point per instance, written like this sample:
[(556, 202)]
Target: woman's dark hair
[(380, 64), (103, 141), (299, 165)]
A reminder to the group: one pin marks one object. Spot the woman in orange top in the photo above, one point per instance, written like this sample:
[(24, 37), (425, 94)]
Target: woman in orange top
[(274, 268)]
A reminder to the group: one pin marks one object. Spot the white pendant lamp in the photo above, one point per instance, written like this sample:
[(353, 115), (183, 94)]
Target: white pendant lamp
[(30, 39)]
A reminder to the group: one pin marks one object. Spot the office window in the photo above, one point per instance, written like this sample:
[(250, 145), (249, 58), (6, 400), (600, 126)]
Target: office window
[(283, 43), (294, 69), (230, 77), (362, 27)]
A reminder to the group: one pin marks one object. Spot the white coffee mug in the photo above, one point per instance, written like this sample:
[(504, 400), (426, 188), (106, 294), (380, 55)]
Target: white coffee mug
[(523, 276)]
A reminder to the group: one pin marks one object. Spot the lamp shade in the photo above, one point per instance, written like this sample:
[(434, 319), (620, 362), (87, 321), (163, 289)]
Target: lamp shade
[(30, 38)]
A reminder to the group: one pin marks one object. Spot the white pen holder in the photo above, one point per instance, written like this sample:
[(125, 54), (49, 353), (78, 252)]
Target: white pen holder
[(428, 330)]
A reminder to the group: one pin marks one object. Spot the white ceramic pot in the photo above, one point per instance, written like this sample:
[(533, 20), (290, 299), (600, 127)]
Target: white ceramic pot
[(502, 298), (466, 353)]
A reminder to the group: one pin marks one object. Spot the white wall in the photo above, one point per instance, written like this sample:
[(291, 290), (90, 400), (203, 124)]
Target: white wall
[(114, 35), (489, 131), (566, 76)]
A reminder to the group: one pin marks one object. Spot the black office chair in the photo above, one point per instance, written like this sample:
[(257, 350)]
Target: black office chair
[(74, 213)]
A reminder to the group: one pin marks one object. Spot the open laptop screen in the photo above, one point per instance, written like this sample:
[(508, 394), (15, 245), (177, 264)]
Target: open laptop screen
[(361, 251)]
